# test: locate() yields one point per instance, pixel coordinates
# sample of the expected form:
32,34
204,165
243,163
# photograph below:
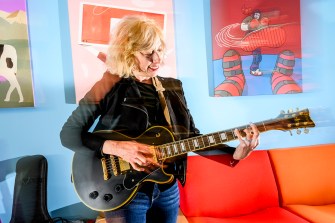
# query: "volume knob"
108,197
118,188
94,194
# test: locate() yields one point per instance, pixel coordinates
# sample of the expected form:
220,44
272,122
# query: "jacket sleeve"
75,133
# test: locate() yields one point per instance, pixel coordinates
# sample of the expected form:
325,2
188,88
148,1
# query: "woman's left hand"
247,143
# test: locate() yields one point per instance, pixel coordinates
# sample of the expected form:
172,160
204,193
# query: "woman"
130,98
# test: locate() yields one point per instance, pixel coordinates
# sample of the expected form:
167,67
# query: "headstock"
291,120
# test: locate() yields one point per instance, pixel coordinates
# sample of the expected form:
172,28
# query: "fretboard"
201,142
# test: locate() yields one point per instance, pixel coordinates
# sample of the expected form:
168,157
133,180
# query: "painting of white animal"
8,70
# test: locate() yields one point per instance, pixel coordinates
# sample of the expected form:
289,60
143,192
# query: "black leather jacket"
115,102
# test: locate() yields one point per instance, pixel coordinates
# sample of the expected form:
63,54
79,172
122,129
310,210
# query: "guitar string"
172,149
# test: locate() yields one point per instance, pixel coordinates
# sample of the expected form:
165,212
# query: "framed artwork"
16,85
255,48
91,23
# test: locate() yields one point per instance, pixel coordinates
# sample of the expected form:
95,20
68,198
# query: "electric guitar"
110,183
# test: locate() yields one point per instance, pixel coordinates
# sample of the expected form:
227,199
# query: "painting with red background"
227,13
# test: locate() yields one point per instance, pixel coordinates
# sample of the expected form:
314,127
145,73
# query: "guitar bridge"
124,166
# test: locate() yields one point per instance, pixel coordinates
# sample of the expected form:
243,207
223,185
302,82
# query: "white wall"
27,131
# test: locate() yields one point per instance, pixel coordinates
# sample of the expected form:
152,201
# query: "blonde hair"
132,34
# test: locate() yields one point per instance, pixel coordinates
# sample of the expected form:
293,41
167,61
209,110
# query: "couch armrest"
305,175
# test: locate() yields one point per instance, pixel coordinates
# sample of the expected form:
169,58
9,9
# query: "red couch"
248,192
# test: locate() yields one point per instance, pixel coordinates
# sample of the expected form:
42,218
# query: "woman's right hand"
140,156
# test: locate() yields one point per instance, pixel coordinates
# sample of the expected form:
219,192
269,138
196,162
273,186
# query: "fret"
202,142
217,138
223,136
205,141
175,149
168,150
179,146
195,143
231,135
163,152
158,153
211,139
189,146
264,127
182,145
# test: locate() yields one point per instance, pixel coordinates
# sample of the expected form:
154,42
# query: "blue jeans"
158,206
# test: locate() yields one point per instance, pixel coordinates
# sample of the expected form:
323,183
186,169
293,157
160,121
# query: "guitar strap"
159,88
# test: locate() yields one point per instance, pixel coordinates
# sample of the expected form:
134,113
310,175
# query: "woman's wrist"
109,147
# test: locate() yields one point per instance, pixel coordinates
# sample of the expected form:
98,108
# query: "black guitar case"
29,201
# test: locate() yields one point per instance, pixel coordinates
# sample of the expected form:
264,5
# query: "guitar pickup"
105,163
113,165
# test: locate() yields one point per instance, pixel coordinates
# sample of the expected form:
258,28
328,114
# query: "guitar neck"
198,143
284,122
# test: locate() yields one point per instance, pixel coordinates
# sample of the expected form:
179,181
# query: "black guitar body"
106,195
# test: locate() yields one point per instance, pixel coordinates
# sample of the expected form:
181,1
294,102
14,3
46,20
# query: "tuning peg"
290,132
290,110
282,112
298,131
306,131
297,109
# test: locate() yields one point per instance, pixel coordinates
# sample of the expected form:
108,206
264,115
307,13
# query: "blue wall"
28,131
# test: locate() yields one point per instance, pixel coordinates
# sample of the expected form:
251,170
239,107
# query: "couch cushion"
268,215
213,189
305,175
324,213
